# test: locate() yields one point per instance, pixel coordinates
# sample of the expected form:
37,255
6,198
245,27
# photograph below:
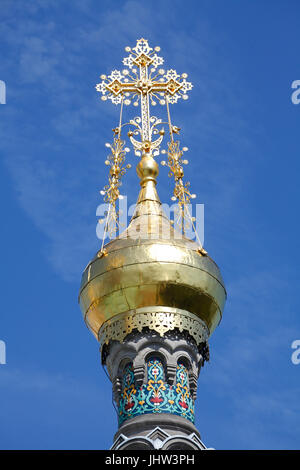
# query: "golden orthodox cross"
145,84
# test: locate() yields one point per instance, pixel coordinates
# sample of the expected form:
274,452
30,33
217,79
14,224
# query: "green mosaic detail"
156,396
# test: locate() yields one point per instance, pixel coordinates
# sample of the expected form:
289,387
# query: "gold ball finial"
147,169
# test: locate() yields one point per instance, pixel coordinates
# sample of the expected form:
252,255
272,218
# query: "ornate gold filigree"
181,191
111,192
142,82
121,325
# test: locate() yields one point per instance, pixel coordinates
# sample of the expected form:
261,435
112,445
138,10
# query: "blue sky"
242,131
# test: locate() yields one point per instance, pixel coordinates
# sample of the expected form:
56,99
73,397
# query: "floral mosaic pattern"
156,396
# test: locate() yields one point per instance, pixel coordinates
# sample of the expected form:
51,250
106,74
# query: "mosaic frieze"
156,395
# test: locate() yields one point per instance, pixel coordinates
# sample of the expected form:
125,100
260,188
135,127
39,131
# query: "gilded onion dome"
151,276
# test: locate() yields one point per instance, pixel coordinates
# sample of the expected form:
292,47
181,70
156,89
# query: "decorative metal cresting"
144,83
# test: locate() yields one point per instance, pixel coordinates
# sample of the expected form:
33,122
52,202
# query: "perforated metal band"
160,319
